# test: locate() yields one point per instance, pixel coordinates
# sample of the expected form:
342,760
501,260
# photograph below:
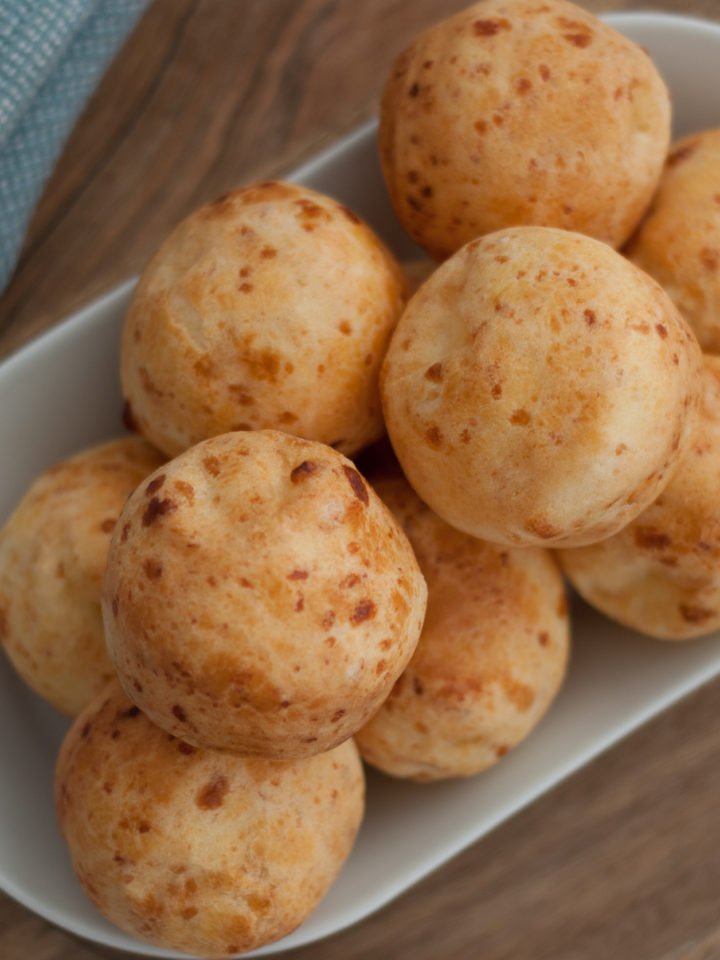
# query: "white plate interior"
61,393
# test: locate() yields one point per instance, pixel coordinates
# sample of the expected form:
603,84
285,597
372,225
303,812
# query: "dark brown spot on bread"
434,373
350,581
579,39
652,539
520,418
304,470
488,28
185,748
246,287
501,751
125,532
212,465
357,483
288,417
157,508
543,638
143,827
153,569
695,614
661,330
309,210
544,71
365,610
211,796
85,730
523,85
300,604
188,913
345,327
267,253
107,526
590,317
414,90
434,437
155,485
298,575
328,619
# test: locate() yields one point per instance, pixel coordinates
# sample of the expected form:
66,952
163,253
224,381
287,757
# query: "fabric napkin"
52,54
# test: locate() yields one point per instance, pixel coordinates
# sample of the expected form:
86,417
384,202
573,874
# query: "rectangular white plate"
61,393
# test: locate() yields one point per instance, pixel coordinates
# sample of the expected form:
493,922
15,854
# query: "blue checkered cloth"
52,54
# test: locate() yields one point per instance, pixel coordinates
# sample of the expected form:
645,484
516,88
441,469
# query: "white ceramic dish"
61,393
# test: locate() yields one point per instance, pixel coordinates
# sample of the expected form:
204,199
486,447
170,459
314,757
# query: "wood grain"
621,861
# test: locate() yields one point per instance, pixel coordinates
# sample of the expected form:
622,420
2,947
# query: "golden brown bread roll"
661,574
516,112
197,850
259,597
52,558
539,389
490,659
271,307
679,242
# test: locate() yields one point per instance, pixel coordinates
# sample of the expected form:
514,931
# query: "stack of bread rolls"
234,610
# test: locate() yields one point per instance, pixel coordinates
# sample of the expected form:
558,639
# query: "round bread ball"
53,550
540,389
514,112
490,659
270,308
259,597
661,574
197,850
679,242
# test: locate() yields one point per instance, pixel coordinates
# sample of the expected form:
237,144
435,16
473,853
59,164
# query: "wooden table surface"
621,861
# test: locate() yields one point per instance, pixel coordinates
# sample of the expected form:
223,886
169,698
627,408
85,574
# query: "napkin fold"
52,54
